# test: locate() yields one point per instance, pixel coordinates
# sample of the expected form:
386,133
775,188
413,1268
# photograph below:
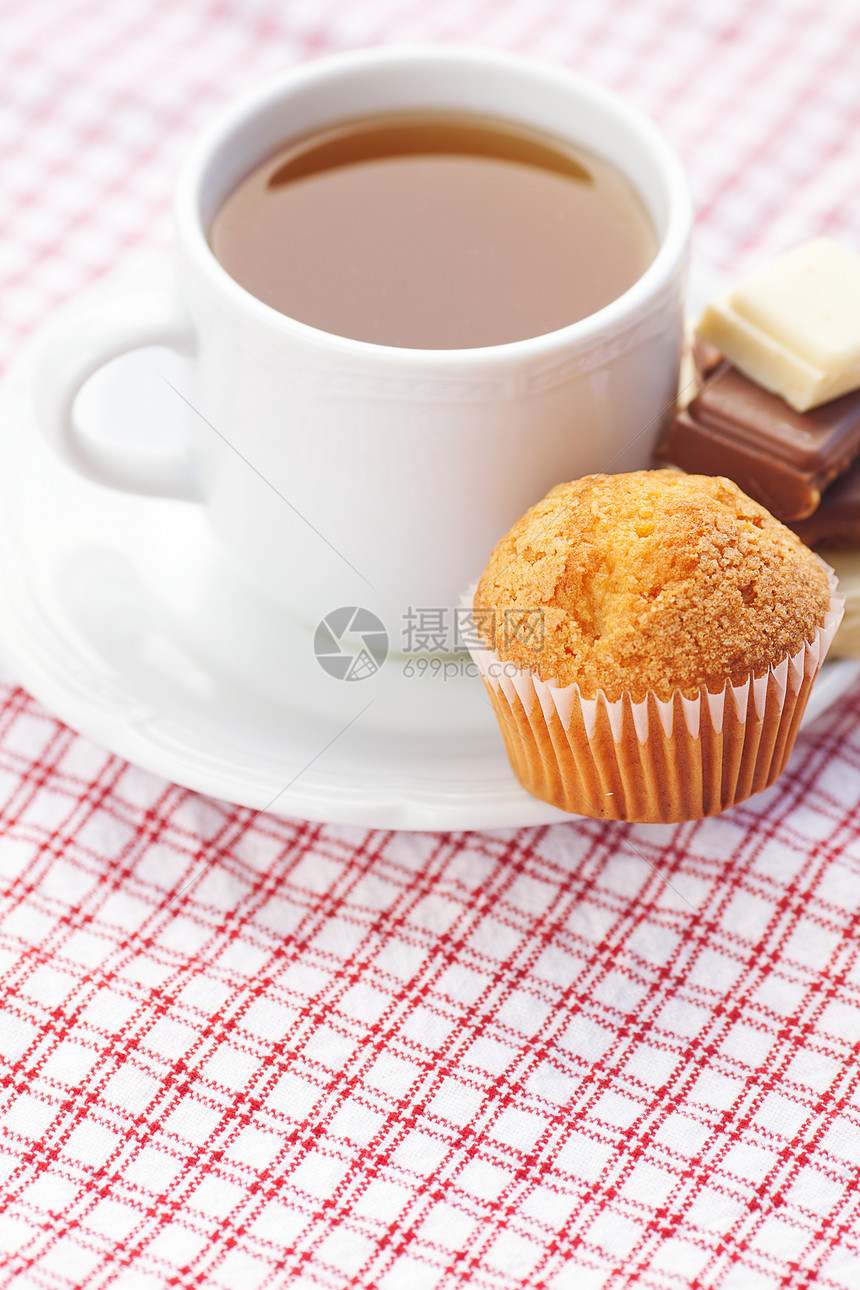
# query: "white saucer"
121,615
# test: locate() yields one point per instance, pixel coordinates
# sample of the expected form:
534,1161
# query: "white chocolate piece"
688,377
794,326
846,564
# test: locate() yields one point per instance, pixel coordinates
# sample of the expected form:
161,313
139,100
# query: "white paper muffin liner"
655,759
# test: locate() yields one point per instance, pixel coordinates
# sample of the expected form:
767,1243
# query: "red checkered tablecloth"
240,1052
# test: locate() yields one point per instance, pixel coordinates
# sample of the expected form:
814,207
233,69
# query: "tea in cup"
415,287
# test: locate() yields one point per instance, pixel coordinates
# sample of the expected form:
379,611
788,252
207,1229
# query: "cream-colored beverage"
379,471
434,231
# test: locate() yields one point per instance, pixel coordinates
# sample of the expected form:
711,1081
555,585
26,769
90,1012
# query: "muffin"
651,642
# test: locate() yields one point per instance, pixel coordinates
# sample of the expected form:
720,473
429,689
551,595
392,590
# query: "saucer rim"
491,804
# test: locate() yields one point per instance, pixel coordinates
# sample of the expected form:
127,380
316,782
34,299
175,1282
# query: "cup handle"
74,347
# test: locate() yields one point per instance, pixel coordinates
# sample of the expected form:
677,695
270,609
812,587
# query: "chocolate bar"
781,458
835,523
698,361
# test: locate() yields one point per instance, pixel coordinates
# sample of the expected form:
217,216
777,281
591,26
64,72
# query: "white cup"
336,471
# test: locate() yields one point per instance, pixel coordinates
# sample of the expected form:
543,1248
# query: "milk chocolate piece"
781,458
836,522
706,357
698,361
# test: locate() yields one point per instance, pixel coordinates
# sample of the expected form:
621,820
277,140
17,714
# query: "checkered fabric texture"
239,1052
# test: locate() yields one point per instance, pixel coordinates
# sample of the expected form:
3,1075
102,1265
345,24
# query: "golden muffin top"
653,580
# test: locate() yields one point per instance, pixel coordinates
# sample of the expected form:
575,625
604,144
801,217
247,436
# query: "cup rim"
583,333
